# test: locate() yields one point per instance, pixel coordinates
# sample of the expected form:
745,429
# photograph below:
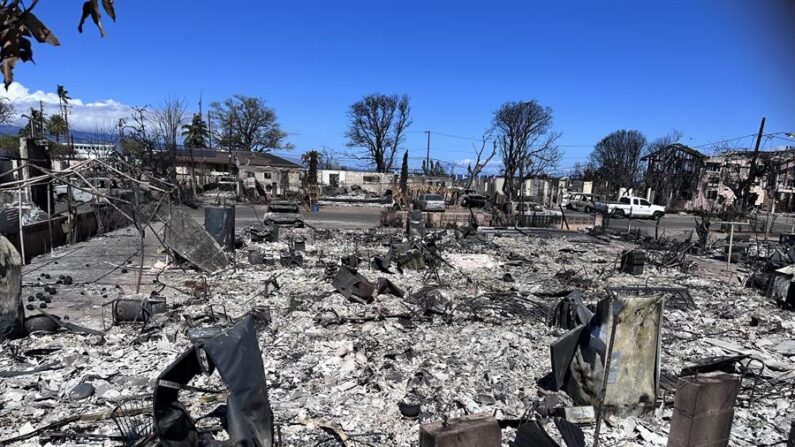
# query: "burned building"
673,175
277,175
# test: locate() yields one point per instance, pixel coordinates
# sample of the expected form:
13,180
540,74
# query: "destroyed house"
276,174
772,186
373,182
673,175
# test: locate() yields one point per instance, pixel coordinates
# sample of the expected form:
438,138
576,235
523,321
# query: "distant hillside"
79,135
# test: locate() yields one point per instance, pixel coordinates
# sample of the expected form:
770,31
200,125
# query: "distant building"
679,177
547,191
93,150
374,182
276,174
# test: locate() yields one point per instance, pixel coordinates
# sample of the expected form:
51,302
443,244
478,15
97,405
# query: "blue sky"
709,68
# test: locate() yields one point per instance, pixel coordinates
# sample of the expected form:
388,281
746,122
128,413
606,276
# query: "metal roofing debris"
191,241
387,286
353,285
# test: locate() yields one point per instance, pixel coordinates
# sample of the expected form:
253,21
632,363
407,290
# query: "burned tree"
527,145
377,124
6,110
404,174
481,159
245,123
617,159
168,119
19,23
311,160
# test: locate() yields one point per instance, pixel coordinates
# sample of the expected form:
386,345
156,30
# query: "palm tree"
56,126
194,135
63,101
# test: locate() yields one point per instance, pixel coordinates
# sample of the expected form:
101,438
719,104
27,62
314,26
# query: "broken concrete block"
703,410
12,312
474,430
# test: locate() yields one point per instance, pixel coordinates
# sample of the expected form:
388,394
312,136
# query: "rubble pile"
372,335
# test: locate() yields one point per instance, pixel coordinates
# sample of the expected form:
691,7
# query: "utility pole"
41,119
752,170
428,150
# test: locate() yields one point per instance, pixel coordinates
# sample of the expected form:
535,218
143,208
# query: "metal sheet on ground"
191,241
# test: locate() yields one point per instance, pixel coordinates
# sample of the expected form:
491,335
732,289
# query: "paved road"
329,216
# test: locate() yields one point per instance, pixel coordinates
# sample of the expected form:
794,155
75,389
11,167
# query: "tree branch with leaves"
19,23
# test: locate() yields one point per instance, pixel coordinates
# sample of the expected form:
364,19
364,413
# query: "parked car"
471,199
627,206
429,202
582,202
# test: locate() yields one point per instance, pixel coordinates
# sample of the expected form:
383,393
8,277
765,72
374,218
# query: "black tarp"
236,355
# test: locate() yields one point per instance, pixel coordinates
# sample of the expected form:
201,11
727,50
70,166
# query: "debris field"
367,336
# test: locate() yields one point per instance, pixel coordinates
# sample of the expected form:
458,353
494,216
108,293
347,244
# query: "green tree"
195,135
245,123
63,102
56,126
616,159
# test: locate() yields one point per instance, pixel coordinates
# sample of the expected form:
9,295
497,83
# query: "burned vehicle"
283,212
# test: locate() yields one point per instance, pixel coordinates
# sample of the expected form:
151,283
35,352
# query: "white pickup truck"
636,207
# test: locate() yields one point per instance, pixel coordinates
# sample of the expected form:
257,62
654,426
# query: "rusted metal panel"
703,410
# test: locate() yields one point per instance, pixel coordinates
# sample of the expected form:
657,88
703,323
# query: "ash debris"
374,338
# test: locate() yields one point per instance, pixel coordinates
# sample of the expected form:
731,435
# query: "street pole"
428,150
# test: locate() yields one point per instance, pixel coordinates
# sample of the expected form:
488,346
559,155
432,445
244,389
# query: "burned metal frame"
684,299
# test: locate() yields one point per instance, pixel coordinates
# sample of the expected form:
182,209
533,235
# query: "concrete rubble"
355,355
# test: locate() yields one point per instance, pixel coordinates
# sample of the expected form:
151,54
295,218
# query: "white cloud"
86,116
